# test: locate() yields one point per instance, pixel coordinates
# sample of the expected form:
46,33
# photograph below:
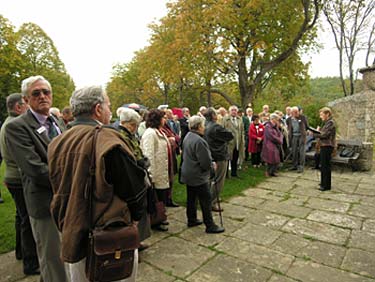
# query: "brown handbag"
111,246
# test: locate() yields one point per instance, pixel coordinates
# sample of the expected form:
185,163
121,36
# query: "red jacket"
255,147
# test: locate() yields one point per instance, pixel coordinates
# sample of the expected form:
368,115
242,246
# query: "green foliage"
26,52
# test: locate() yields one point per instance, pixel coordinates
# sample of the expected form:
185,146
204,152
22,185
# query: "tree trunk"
180,93
166,92
246,91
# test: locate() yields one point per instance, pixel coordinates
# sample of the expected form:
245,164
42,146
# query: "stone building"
355,117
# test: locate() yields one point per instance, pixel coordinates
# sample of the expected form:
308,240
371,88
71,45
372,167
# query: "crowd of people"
48,154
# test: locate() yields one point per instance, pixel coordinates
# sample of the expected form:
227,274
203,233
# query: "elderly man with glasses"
27,139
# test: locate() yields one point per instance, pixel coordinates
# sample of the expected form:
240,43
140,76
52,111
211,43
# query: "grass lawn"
248,177
7,216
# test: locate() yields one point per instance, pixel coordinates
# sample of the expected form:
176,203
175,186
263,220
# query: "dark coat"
27,142
217,138
273,140
254,146
197,164
327,134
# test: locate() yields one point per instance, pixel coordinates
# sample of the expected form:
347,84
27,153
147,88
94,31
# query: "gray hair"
129,115
274,116
196,121
233,107
83,100
27,82
55,111
12,101
185,109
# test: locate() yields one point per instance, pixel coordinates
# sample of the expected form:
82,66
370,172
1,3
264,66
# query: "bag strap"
89,193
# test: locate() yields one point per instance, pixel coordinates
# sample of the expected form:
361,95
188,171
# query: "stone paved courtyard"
283,230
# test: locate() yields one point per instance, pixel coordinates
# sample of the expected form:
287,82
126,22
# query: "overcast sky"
93,35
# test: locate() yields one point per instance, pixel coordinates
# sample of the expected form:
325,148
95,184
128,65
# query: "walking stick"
218,203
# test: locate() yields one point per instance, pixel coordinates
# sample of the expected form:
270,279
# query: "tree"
244,39
352,24
11,64
42,58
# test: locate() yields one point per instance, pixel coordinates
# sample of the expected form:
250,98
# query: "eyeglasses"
36,92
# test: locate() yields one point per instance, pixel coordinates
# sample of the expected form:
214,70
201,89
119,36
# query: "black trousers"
325,166
234,162
247,154
255,158
29,253
203,194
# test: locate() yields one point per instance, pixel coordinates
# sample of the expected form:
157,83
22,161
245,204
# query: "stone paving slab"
290,244
369,225
363,210
307,271
223,268
280,278
305,191
284,208
246,202
257,234
359,261
275,186
327,254
179,261
318,231
341,220
327,205
268,219
341,197
362,240
151,274
368,200
256,254
261,193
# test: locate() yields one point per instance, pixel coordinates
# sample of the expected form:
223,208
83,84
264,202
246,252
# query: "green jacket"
12,174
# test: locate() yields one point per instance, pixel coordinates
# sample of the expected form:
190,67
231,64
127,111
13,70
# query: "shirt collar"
41,118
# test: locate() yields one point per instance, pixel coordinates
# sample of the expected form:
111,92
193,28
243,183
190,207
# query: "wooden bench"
342,144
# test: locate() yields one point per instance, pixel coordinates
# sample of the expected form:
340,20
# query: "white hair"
196,121
27,82
129,115
233,107
119,110
55,111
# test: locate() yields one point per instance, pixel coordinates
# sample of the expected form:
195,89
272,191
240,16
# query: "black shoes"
172,205
215,229
324,189
32,271
194,223
160,227
217,209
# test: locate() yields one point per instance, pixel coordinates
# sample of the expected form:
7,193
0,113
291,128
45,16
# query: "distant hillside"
329,88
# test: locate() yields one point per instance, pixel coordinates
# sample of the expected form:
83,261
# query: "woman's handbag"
156,208
111,246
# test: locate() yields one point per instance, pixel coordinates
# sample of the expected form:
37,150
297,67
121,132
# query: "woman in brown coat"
327,138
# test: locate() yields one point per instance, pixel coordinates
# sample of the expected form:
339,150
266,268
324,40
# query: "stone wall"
355,116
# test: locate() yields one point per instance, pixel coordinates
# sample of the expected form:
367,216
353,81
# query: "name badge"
41,129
